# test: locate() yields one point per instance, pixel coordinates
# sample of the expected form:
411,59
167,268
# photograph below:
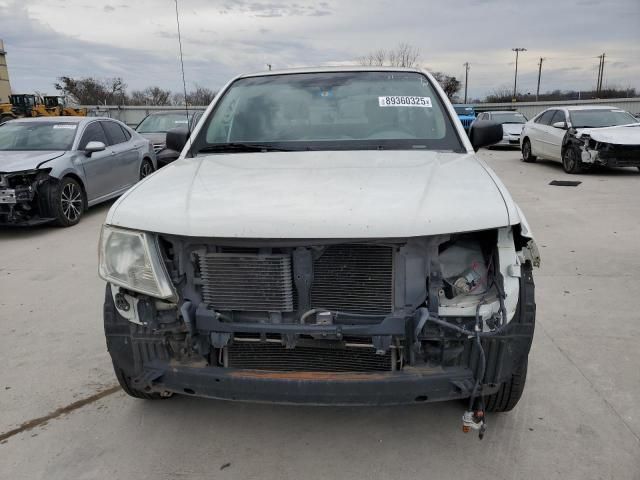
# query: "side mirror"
484,133
177,138
560,125
93,147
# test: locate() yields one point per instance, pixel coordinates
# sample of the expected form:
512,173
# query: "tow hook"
474,420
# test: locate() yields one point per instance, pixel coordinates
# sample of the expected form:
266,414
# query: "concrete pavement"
577,418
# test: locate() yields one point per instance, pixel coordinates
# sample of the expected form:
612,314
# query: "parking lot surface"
578,417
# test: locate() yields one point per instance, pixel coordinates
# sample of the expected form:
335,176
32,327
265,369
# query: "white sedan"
583,136
512,125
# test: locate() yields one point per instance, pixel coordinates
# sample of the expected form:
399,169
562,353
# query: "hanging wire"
184,82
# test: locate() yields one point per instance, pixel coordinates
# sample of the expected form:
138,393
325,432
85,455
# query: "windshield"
509,117
327,111
464,110
600,118
162,123
37,135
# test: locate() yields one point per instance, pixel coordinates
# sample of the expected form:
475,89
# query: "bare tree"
200,96
404,55
150,96
449,84
93,91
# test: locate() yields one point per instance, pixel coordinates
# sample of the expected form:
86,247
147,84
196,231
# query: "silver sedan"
53,169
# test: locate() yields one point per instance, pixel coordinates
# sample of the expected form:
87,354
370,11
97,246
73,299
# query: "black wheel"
509,393
68,202
571,162
146,169
526,152
125,383
121,350
511,388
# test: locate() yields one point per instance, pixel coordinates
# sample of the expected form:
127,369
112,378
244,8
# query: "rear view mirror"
93,147
561,125
177,138
484,133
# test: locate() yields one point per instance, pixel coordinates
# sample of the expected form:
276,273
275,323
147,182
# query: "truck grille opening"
354,278
275,357
248,282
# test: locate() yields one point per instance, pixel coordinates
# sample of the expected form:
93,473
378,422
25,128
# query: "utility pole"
466,79
599,71
539,74
600,74
515,81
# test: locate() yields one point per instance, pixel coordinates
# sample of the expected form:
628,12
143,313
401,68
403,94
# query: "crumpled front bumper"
412,385
146,358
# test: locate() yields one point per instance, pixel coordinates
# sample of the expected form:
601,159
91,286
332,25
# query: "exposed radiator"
275,357
354,278
248,282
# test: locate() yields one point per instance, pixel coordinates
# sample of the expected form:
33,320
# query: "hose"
186,315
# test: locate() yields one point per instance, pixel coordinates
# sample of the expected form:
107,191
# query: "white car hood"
618,135
339,194
512,128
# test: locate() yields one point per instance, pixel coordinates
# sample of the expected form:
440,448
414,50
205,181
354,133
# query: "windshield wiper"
244,147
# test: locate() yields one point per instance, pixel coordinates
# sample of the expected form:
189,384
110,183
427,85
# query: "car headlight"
132,260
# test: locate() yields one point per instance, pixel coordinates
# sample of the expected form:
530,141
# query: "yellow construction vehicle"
27,105
59,104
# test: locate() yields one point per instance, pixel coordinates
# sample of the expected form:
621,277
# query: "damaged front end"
386,321
24,197
595,151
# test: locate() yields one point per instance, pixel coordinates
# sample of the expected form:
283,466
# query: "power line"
184,82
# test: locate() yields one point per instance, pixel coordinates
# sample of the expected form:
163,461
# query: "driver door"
98,166
555,136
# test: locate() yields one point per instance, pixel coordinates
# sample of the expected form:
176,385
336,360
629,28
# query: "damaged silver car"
328,236
53,168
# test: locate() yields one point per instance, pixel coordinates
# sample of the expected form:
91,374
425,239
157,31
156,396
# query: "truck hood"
15,161
328,194
618,135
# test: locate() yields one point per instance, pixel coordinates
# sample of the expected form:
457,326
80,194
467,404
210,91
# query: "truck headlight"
132,260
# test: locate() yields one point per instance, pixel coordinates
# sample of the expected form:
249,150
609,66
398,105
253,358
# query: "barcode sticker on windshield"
404,101
70,126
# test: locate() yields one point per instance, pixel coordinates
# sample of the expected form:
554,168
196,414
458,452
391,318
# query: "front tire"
509,393
68,202
511,389
125,383
146,168
571,162
527,156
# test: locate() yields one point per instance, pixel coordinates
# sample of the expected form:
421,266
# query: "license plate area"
8,196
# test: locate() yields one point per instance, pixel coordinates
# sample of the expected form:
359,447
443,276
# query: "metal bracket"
381,343
435,280
289,340
303,276
220,339
148,375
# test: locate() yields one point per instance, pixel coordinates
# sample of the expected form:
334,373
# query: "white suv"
328,236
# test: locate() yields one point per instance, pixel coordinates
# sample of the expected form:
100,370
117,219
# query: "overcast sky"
138,40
